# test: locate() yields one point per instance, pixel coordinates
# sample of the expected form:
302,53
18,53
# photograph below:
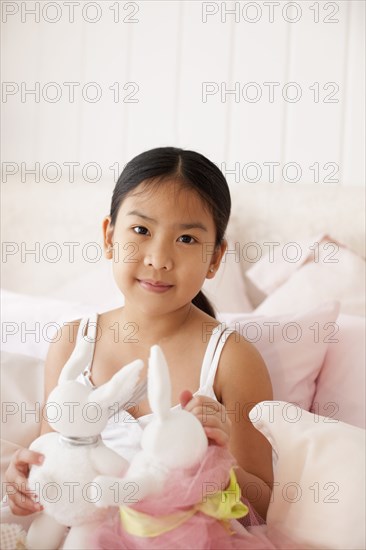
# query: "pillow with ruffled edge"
319,470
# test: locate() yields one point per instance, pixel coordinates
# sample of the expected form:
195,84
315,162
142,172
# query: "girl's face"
163,246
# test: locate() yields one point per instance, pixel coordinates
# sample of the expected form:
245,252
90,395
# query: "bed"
292,282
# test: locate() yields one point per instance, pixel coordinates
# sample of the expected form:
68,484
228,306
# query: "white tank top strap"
88,331
212,355
88,328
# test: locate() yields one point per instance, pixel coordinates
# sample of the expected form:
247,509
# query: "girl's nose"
159,258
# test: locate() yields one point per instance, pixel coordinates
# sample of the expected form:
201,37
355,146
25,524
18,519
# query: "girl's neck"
157,329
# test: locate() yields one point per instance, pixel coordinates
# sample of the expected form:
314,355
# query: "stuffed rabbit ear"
79,360
120,388
159,389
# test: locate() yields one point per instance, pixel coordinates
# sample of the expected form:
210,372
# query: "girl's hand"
21,500
211,414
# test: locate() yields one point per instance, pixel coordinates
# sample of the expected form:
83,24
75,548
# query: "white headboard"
287,212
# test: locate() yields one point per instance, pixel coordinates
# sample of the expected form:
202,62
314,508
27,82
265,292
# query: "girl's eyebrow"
136,213
192,225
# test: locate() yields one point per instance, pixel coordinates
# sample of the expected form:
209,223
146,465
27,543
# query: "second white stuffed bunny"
173,439
185,493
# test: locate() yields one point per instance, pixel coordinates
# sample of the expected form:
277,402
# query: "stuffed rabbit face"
73,411
177,441
76,410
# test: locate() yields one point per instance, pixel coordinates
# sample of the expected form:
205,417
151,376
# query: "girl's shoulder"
242,372
64,341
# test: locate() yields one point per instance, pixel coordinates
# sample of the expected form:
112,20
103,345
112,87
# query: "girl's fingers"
185,397
24,509
212,421
199,401
25,457
16,481
21,483
217,436
21,500
212,415
22,503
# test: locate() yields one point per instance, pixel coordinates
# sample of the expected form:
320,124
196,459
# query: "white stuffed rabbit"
76,454
174,438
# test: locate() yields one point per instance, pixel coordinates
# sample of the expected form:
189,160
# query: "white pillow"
7,450
329,271
319,469
21,397
29,322
22,386
293,347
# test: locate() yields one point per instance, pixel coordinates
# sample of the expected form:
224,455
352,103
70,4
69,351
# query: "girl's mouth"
154,286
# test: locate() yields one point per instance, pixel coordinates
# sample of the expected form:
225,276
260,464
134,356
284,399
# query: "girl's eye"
140,230
187,239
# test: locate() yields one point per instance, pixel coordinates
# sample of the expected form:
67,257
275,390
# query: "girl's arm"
241,382
22,501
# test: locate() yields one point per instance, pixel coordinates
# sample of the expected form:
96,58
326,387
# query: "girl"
165,235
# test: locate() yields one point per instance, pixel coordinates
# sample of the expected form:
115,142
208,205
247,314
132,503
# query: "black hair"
193,171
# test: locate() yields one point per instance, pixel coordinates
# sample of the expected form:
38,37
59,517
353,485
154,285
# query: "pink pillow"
293,347
324,270
282,260
340,392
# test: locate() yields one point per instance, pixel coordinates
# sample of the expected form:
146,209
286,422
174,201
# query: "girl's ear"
216,259
108,237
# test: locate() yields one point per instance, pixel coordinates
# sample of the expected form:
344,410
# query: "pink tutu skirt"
199,531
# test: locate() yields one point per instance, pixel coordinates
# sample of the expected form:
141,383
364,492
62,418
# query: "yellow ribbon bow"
222,505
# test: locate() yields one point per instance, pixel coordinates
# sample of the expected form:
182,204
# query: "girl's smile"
154,286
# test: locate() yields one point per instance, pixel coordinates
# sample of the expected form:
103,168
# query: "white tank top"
123,431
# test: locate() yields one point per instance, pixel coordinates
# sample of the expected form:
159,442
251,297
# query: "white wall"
163,54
